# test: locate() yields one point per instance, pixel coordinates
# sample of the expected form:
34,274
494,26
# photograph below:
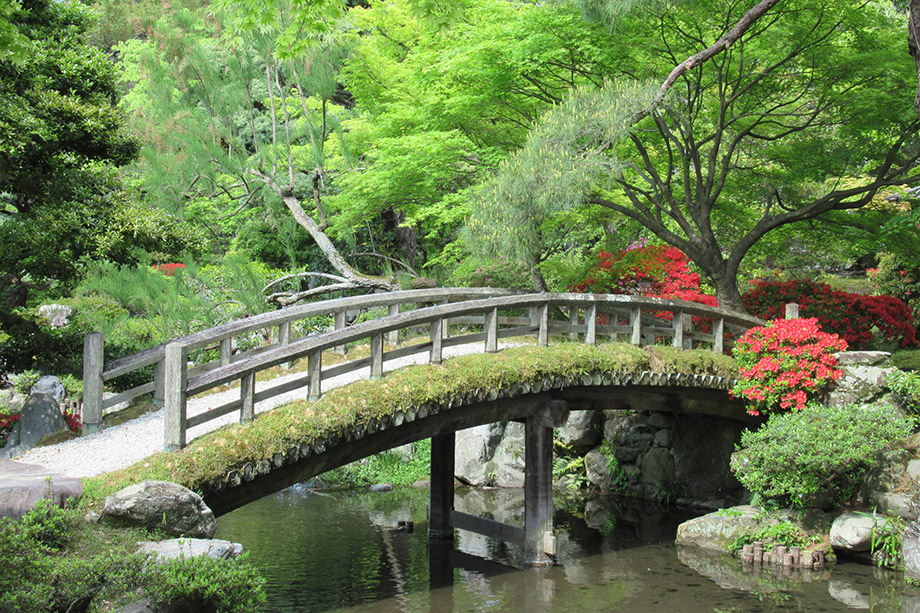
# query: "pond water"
346,551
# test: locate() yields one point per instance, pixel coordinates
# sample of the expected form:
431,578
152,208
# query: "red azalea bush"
785,364
851,316
657,271
7,421
646,270
168,269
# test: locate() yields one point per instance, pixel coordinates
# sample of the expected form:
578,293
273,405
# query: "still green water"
346,551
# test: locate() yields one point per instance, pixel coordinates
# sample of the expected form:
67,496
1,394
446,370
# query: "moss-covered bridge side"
240,463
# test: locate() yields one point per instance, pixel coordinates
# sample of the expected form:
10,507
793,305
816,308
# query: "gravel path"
123,445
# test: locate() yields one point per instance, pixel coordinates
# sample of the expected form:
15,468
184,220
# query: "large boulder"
161,505
39,417
853,532
22,485
717,531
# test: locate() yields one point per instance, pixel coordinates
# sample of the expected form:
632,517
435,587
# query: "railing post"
248,397
792,310
159,383
340,324
393,336
718,334
445,325
315,372
591,324
678,324
377,356
635,323
573,320
491,329
176,378
543,319
93,363
436,335
284,338
226,351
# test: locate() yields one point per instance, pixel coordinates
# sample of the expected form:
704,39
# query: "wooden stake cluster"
780,555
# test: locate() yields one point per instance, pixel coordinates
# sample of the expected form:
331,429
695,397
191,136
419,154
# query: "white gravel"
123,445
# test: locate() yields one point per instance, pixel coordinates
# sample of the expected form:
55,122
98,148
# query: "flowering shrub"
852,316
168,269
647,270
785,363
7,421
898,279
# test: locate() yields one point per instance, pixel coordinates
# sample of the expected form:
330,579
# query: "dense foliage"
50,560
858,319
801,456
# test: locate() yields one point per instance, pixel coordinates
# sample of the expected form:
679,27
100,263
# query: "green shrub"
48,524
796,456
906,385
205,584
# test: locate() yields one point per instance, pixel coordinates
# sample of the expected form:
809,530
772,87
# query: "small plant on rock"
785,364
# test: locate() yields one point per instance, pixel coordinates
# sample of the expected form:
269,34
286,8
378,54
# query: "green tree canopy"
806,112
62,202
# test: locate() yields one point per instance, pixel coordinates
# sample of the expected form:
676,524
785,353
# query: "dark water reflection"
348,551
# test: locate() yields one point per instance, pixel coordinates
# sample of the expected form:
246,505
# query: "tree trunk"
913,43
727,292
322,240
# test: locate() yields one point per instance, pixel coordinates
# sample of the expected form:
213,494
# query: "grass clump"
215,454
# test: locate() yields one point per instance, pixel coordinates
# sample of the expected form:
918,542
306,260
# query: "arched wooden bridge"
485,316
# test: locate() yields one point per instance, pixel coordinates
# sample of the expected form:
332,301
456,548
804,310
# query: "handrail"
96,372
180,385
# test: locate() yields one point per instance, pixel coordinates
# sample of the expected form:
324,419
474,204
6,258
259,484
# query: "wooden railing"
278,324
635,319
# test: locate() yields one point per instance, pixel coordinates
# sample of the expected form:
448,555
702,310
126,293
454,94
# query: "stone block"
853,531
662,420
664,438
582,430
39,417
868,358
658,467
172,549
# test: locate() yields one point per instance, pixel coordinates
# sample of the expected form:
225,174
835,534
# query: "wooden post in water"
538,492
93,362
441,492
